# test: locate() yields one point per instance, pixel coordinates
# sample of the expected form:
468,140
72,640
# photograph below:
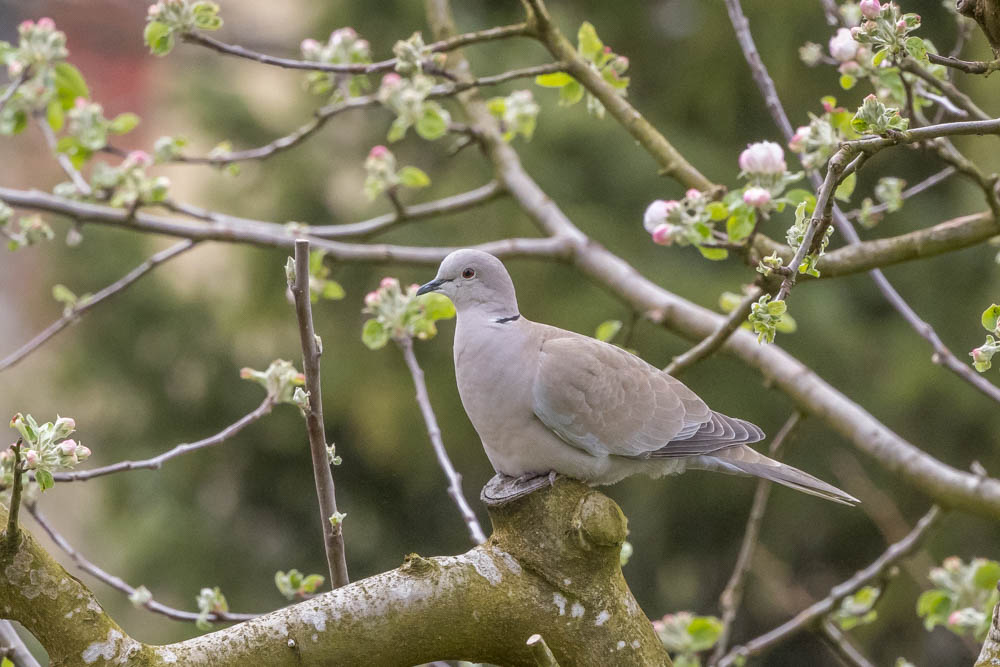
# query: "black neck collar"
505,320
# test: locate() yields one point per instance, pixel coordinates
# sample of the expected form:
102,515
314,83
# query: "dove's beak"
432,286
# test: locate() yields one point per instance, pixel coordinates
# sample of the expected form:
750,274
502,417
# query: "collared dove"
546,400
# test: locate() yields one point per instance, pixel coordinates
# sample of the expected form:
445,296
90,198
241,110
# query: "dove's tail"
747,461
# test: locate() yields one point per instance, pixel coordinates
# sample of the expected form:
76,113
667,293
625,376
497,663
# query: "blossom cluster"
381,174
963,597
517,114
407,98
982,356
44,449
399,313
343,47
168,18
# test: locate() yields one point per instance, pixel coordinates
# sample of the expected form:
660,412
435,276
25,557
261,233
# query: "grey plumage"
544,399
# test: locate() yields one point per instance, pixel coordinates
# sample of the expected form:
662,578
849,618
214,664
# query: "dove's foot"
503,489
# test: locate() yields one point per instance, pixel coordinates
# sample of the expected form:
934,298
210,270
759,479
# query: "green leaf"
397,130
798,195
588,43
786,324
554,80
432,124
704,632
846,187
987,575
44,479
159,38
437,306
879,57
7,663
917,49
717,211
332,290
55,115
412,177
740,224
374,335
714,254
123,122
776,308
847,81
934,606
608,330
570,94
69,84
991,317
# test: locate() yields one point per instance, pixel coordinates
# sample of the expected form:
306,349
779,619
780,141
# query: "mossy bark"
990,655
551,567
987,14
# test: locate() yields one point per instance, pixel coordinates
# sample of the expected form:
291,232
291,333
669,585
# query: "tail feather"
747,461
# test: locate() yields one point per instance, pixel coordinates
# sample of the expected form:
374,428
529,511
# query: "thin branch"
911,191
157,461
82,307
831,11
541,652
925,133
947,88
446,205
67,165
119,584
842,645
454,478
14,646
812,615
490,34
732,595
671,161
12,535
13,86
967,66
718,337
323,114
333,535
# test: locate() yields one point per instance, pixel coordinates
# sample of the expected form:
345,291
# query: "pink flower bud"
26,26
153,10
388,283
80,102
347,32
15,67
246,373
764,157
757,197
31,459
300,378
952,563
842,45
978,354
82,453
900,27
693,193
955,618
371,298
607,49
45,23
140,158
414,287
870,97
870,8
67,447
309,45
378,152
797,144
657,213
856,31
391,80
662,235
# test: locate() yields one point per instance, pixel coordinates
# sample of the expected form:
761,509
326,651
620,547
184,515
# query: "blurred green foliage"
161,365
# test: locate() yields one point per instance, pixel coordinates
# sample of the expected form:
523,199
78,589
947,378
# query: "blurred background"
160,365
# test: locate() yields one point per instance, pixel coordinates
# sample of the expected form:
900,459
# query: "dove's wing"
604,400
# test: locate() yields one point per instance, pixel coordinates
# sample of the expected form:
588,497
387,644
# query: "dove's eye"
468,273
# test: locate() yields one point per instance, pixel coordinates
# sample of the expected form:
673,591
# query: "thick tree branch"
333,536
990,655
553,561
967,66
81,308
11,644
671,161
814,614
434,431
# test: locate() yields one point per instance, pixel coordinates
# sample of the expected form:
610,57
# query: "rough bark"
990,655
551,567
987,14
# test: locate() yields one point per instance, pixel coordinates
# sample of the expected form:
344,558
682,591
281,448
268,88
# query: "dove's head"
475,279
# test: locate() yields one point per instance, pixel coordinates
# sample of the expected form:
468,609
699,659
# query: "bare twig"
490,34
732,595
81,308
119,584
156,462
842,645
453,204
812,615
947,88
454,478
967,66
12,536
541,652
911,191
718,337
13,86
15,648
332,528
67,165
